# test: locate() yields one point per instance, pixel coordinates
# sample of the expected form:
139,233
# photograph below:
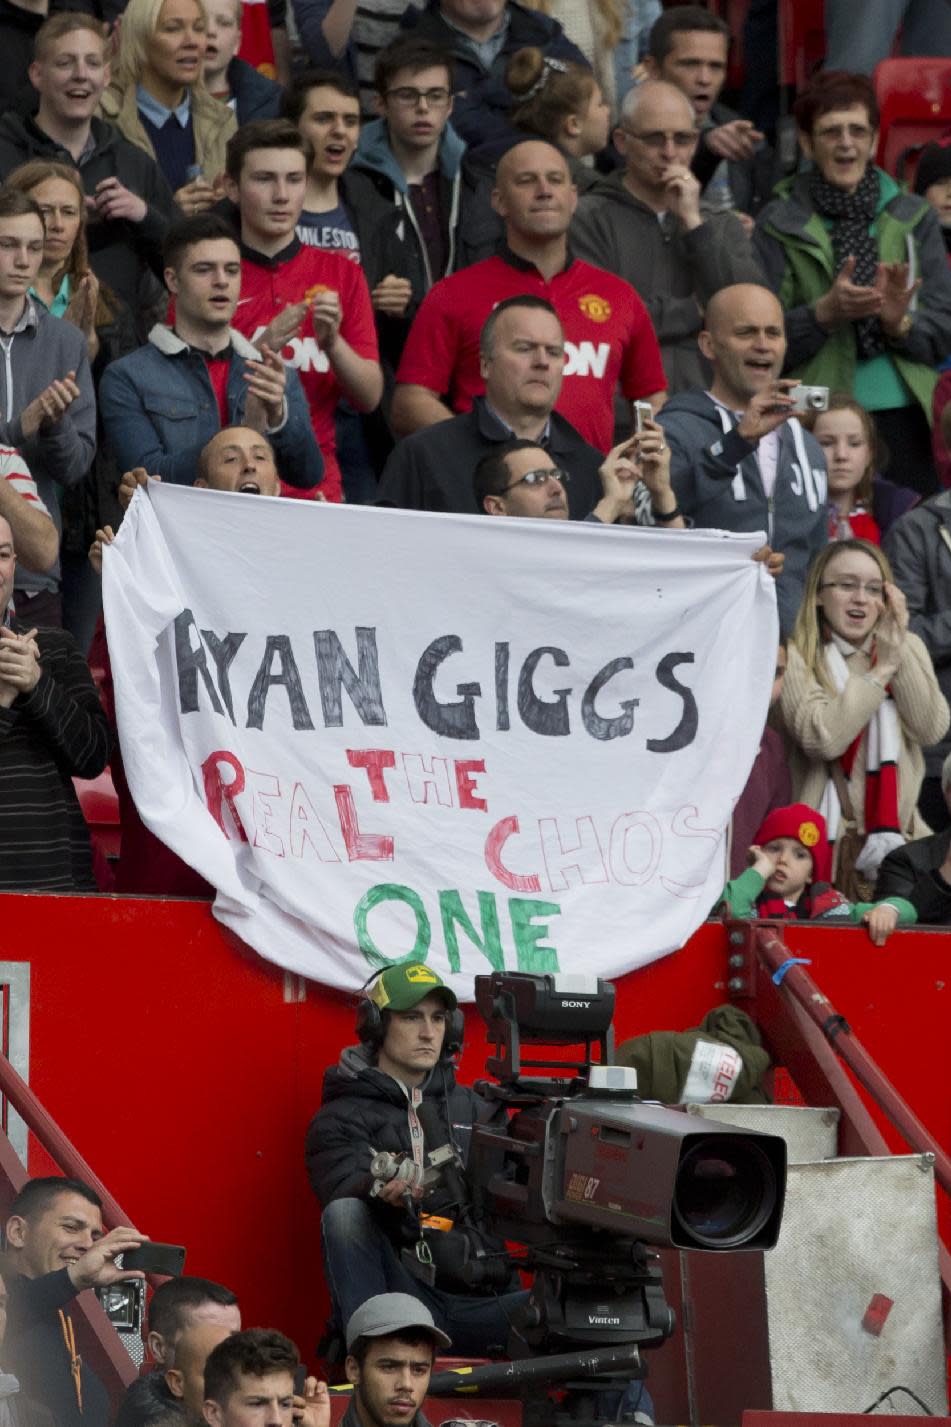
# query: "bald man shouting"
610,342
739,459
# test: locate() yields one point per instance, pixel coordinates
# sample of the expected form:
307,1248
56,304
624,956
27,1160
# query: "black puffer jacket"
364,1107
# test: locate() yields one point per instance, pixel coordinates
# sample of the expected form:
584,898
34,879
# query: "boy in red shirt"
311,304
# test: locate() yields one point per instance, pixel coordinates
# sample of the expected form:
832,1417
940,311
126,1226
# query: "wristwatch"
904,327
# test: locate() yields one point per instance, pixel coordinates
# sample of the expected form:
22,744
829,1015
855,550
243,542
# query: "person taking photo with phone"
55,1246
739,458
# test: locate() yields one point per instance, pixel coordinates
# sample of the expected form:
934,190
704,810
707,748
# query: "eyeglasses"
656,139
410,98
835,132
873,588
540,477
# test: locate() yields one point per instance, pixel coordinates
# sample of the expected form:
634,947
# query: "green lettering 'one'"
391,892
531,954
489,942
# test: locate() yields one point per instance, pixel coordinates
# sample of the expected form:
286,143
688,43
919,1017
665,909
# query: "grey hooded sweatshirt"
675,272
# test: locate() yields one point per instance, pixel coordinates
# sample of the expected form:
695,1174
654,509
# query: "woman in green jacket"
861,270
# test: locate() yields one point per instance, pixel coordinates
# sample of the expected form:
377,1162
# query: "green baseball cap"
400,988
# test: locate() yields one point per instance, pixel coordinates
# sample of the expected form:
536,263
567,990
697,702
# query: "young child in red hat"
789,879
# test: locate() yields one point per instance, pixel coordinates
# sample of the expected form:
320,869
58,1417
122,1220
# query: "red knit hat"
808,827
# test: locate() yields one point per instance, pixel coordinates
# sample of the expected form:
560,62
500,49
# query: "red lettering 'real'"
218,793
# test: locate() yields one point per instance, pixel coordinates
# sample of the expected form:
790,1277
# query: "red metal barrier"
807,1032
186,1069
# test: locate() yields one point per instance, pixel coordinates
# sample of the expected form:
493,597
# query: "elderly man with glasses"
644,223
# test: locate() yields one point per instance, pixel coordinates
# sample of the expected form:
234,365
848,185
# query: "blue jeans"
858,38
360,1262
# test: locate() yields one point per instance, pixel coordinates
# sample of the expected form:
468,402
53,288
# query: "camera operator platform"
391,1111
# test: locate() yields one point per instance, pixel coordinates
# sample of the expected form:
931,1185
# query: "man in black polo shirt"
522,358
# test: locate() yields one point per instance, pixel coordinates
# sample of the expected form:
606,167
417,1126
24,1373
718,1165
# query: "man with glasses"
482,36
645,224
415,161
520,479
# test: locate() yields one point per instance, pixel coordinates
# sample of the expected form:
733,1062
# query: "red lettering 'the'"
374,760
466,768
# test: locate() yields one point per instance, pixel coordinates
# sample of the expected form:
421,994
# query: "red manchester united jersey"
295,275
609,338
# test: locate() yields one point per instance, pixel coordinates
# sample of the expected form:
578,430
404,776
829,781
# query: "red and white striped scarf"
882,745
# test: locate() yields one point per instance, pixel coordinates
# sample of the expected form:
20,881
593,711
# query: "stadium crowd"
481,257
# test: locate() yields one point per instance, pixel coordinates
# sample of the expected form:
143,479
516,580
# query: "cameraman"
409,1027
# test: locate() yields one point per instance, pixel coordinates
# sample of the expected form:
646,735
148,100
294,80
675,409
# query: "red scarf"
818,900
881,783
859,524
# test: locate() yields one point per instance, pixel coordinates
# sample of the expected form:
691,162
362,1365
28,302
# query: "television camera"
588,1179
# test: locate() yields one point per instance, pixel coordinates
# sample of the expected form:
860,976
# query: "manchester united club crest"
597,308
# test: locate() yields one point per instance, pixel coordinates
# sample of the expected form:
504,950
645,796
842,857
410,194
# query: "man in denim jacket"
163,403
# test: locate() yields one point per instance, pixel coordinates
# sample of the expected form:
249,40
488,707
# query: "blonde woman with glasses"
859,703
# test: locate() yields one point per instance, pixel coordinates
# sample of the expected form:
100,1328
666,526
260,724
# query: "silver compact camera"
810,398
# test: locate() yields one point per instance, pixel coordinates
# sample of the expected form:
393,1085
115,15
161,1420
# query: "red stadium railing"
815,1043
99,1343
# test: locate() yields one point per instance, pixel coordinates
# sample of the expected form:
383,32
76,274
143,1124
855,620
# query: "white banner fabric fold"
484,743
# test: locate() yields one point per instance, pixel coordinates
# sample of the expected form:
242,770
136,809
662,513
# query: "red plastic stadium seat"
914,96
97,798
734,13
802,40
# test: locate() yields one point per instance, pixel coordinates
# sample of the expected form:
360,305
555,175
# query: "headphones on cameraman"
371,1027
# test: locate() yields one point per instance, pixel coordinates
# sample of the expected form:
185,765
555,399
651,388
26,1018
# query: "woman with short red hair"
860,268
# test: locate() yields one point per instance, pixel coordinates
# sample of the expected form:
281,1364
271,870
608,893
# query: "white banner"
476,741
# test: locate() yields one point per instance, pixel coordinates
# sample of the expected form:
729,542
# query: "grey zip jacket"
40,350
716,478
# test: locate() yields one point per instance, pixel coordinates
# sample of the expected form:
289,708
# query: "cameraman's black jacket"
364,1107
